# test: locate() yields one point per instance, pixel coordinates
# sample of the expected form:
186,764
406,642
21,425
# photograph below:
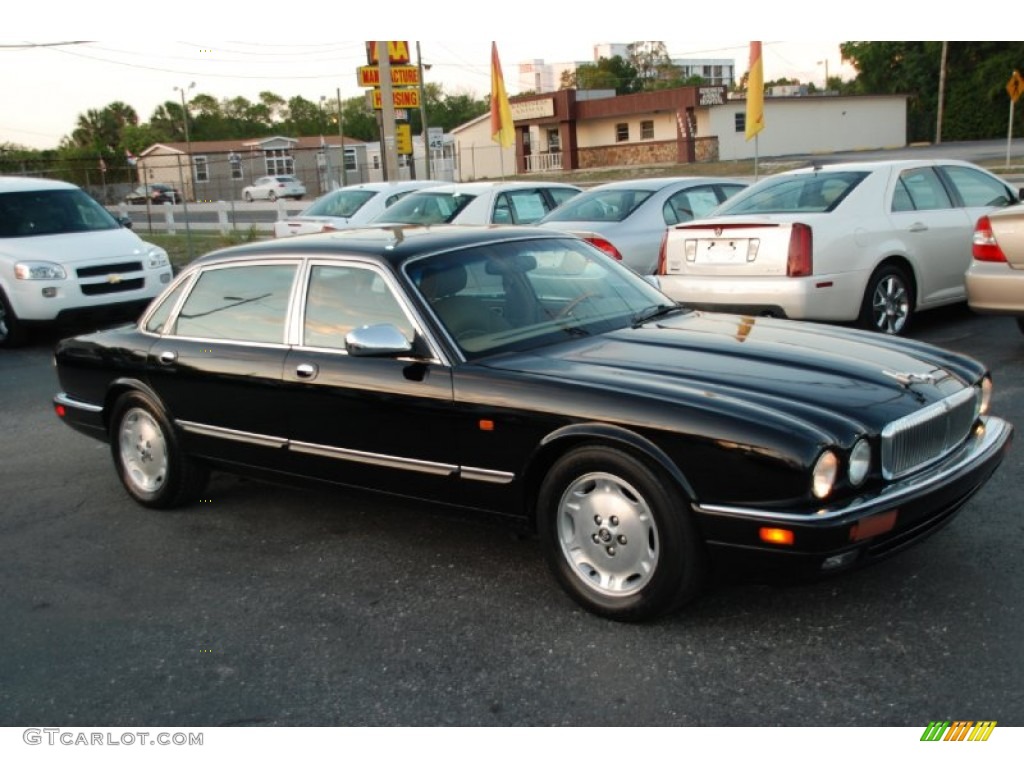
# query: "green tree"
976,102
606,73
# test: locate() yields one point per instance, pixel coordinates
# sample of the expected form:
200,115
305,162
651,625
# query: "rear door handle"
168,356
918,227
306,371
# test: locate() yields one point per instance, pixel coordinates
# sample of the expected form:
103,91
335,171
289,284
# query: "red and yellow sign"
401,98
369,77
398,52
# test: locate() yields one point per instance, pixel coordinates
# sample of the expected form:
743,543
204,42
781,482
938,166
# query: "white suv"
63,254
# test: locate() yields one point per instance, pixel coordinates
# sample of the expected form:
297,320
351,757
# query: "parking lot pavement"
270,605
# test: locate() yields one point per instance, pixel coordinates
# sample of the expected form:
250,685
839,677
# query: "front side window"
522,206
343,203
690,204
243,303
425,208
977,189
342,298
601,205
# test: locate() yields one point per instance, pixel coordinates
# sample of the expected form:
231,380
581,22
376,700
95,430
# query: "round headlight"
860,462
824,476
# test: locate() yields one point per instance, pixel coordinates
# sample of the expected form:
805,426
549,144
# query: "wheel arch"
565,439
122,386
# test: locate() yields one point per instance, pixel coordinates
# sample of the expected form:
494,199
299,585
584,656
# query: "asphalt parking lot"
268,605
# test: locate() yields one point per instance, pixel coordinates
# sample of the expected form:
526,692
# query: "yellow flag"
501,114
755,92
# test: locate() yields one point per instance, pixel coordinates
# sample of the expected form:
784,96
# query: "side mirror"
125,221
384,340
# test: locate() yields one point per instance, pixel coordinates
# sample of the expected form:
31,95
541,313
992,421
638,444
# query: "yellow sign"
398,52
403,139
1016,86
401,98
369,77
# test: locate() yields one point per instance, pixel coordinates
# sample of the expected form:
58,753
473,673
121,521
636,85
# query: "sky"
46,83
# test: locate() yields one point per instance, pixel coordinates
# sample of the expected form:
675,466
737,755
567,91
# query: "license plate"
721,251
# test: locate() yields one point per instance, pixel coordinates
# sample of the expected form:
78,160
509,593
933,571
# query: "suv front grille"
108,269
927,435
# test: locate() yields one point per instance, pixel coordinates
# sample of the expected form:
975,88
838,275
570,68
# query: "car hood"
76,247
803,375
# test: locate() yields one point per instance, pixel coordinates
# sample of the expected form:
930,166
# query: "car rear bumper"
83,417
832,297
865,528
994,287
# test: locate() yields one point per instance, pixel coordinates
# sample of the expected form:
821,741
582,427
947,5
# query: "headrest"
438,282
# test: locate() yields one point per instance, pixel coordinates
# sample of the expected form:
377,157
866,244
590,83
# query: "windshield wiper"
654,312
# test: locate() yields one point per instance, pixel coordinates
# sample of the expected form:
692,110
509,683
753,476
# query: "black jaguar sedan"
523,372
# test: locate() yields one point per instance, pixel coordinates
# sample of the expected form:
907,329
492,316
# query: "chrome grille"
927,435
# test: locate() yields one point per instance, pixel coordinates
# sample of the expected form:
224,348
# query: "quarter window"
247,303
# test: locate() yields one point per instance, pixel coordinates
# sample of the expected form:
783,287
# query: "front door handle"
306,371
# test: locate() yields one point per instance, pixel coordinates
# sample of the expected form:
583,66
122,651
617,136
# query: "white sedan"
869,242
480,202
348,207
272,187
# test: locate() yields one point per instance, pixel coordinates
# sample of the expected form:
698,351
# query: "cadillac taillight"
800,261
604,245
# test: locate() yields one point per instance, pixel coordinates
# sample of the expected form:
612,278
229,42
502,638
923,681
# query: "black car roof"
393,244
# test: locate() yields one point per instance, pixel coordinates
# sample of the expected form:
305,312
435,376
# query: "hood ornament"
909,379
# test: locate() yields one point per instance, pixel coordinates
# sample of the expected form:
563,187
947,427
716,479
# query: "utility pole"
388,145
942,93
423,113
341,137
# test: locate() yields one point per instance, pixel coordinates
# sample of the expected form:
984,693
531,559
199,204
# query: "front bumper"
842,535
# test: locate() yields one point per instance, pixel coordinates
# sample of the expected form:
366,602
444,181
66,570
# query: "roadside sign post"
1015,88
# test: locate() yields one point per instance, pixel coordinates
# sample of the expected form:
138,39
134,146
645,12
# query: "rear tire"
12,330
618,536
148,458
248,197
888,301
272,197
1020,324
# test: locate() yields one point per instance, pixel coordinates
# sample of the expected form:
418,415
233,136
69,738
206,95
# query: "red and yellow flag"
755,92
502,130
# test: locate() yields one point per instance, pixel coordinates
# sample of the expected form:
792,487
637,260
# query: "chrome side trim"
376,459
69,402
267,441
977,451
487,475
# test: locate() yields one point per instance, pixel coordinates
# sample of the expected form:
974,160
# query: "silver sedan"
627,219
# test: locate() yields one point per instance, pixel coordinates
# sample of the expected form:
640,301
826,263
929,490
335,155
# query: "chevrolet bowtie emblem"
906,379
113,278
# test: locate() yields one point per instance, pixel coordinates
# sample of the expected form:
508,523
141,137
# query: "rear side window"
244,303
800,193
923,188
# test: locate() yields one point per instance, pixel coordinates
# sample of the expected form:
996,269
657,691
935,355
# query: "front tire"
1020,324
618,536
888,302
248,197
12,330
148,458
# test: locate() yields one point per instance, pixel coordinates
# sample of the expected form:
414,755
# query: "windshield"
342,204
799,193
601,205
51,212
524,294
425,208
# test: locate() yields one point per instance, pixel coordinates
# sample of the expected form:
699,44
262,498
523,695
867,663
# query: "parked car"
522,371
627,219
349,206
871,242
480,202
63,255
153,193
272,187
995,277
